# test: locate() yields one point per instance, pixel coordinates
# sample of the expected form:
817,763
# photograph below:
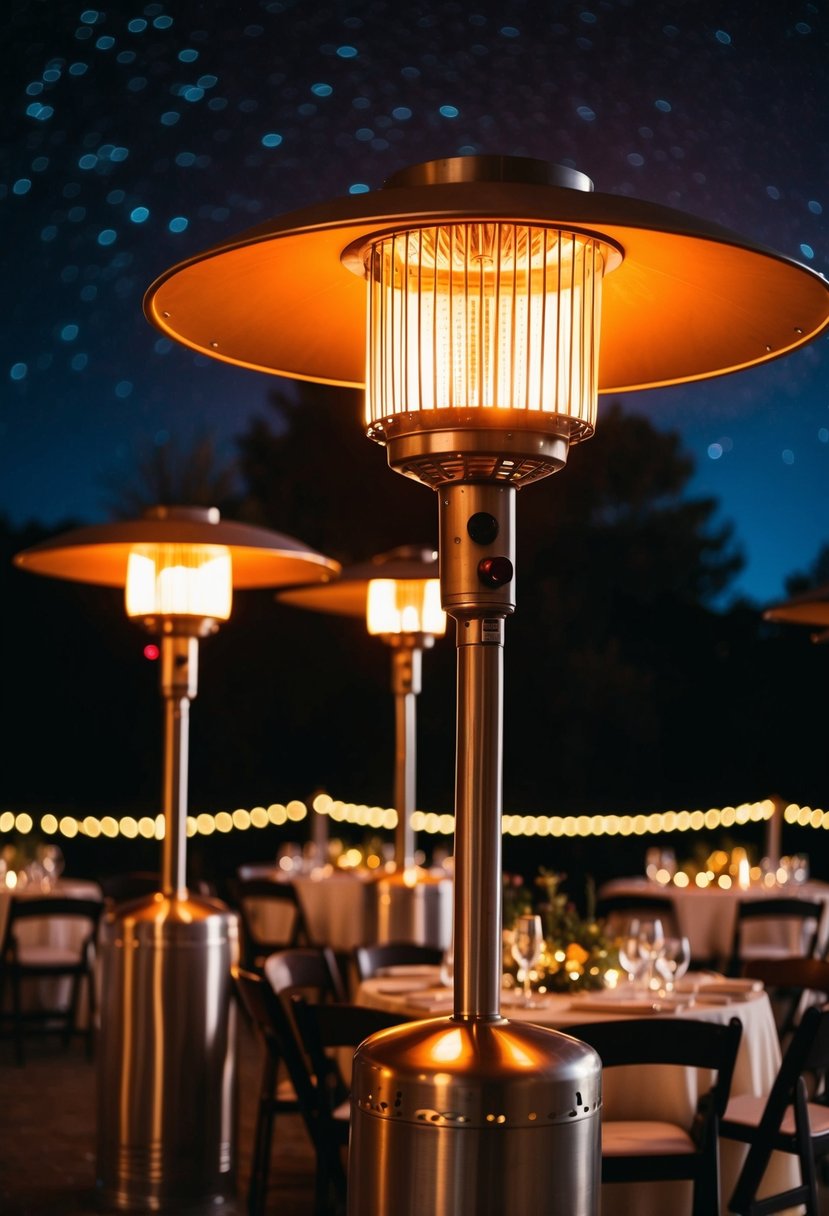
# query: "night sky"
138,134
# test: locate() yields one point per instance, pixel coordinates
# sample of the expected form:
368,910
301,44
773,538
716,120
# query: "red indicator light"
151,651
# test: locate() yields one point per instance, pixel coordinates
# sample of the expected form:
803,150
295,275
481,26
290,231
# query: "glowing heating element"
481,316
405,606
179,580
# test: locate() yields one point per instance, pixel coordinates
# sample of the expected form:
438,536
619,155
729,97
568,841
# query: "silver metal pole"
477,575
179,684
407,661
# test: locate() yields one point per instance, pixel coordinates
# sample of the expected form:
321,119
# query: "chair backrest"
310,970
370,959
807,1055
788,982
617,910
271,915
804,916
47,907
689,1150
685,1042
325,1028
132,884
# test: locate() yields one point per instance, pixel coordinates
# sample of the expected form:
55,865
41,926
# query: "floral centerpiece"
577,955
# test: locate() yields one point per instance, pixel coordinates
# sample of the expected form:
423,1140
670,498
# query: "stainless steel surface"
691,299
486,1118
167,1043
413,911
487,168
479,612
179,684
406,682
100,553
533,446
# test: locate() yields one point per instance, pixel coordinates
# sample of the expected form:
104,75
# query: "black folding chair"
322,1030
24,961
802,915
786,1121
652,1151
370,959
308,984
617,910
790,983
277,1094
271,918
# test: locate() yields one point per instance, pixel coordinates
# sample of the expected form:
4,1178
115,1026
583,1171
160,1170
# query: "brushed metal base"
167,1048
474,1118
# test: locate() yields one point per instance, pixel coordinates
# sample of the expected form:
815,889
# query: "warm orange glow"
448,1047
405,606
481,315
179,580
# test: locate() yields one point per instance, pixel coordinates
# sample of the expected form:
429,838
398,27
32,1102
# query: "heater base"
474,1118
167,1048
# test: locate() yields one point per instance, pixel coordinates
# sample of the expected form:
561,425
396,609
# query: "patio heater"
472,315
808,608
397,594
166,1078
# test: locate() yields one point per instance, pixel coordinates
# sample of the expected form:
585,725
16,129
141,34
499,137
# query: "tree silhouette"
175,474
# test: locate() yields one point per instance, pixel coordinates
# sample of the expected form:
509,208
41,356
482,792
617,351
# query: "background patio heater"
808,608
397,594
166,1076
477,291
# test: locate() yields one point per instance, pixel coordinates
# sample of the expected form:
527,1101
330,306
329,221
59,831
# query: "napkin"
729,987
641,1007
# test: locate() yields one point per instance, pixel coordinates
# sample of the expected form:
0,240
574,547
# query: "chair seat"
48,955
644,1137
746,1111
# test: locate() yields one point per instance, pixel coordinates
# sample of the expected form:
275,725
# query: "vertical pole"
477,530
406,684
179,682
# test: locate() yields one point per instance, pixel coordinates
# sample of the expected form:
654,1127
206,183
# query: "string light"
385,819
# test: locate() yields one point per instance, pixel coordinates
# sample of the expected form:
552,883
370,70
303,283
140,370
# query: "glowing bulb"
480,315
405,606
179,580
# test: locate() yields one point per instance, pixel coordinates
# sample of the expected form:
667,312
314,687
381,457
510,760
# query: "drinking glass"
651,943
630,952
673,961
526,947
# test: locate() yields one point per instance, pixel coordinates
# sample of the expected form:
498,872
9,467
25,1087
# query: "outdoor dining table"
668,1094
340,906
706,915
337,904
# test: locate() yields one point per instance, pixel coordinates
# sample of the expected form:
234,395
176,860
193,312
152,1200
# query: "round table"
706,915
672,1097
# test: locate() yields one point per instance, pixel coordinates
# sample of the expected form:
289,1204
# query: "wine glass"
673,961
651,943
526,947
630,952
50,857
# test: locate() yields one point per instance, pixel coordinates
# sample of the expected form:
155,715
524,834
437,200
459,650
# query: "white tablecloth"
337,905
627,1097
342,908
706,915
